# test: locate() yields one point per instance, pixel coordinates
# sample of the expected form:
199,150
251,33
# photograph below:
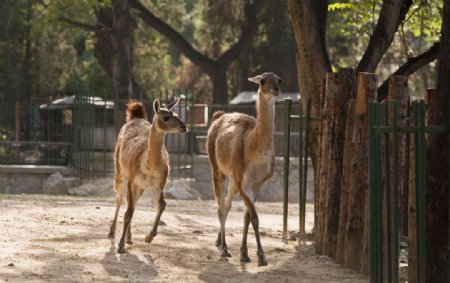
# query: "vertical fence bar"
300,163
305,167
379,198
388,212
407,164
420,189
287,143
395,238
192,135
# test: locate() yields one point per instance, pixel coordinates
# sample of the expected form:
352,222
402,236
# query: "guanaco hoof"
121,249
262,260
245,258
111,235
225,253
149,239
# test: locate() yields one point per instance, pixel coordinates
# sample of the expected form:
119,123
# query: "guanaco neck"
155,144
265,120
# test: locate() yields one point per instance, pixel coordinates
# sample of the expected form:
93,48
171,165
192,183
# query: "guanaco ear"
173,103
156,106
255,79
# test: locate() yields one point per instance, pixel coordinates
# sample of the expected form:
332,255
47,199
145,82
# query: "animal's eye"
280,81
166,118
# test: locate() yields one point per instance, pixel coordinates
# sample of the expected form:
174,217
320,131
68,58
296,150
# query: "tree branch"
249,30
175,37
392,13
79,24
410,67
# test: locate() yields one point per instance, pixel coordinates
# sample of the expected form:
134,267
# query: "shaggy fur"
240,147
142,159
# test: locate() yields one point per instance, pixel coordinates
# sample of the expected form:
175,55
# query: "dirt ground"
63,239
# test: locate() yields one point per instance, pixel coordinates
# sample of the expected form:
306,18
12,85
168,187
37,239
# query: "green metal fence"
33,133
96,123
304,119
380,129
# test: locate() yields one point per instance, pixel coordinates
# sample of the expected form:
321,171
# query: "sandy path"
63,239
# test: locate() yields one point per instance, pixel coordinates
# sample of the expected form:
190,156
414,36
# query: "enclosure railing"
380,129
304,119
32,134
96,126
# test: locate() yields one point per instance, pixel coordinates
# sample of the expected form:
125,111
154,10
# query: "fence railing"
303,120
383,139
80,131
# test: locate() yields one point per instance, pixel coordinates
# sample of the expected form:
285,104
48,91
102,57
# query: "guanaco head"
167,120
269,84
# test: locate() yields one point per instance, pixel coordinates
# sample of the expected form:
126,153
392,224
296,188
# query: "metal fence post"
302,196
420,187
287,143
300,163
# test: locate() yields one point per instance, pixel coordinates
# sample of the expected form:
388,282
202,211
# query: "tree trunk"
365,260
123,26
346,175
208,65
354,235
437,183
319,156
309,24
220,85
104,53
346,91
330,93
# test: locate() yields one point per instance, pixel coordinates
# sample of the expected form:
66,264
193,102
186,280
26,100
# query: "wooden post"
437,190
319,155
346,91
347,171
330,93
354,236
398,91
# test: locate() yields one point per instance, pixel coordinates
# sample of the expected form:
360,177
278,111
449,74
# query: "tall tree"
114,44
437,194
309,24
216,69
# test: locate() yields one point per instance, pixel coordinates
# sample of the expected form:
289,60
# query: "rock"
182,189
97,187
55,185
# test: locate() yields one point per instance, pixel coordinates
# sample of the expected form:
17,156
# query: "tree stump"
346,91
330,93
345,187
359,186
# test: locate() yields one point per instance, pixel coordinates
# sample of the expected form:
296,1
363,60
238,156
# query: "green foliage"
340,6
42,55
349,31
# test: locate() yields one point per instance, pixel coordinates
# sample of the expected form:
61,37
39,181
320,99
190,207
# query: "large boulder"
55,185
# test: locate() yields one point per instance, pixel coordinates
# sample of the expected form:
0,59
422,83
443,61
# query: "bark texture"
354,236
330,93
437,183
345,187
216,69
346,91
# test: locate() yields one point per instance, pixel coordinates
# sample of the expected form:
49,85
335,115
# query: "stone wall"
28,179
36,180
271,191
